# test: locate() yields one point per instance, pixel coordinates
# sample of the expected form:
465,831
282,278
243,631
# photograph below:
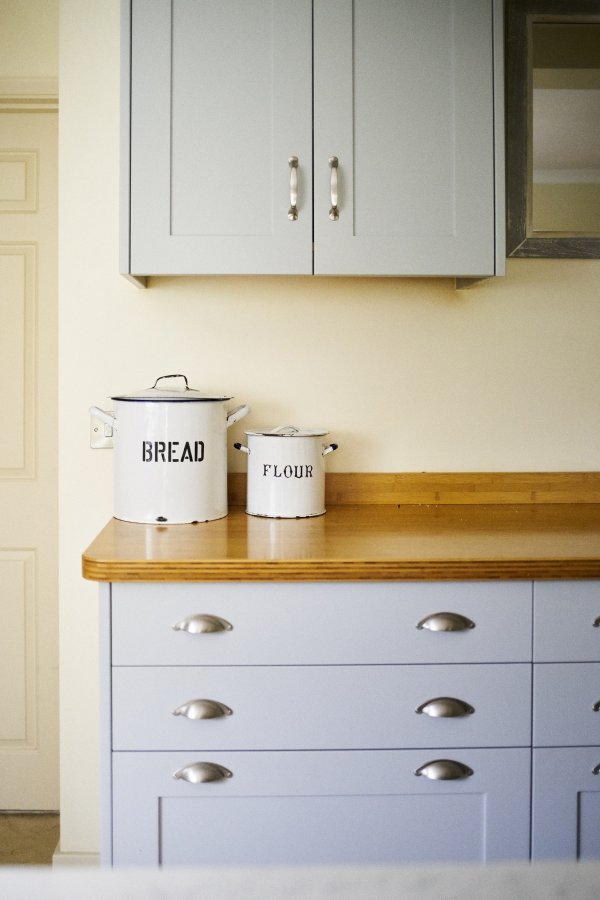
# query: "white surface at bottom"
541,881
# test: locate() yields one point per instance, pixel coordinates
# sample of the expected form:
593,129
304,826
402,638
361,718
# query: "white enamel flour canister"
170,445
286,472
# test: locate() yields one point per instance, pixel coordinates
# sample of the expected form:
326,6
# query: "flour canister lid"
290,431
170,394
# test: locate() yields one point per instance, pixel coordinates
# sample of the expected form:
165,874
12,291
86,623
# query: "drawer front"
300,624
311,807
565,613
321,707
565,697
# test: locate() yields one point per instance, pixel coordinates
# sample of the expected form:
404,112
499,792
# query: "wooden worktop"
360,541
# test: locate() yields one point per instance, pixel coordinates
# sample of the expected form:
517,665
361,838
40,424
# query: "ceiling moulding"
28,94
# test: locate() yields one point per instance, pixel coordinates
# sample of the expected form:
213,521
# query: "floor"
28,839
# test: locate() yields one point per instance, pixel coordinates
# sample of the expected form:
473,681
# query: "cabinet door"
404,98
320,808
566,803
220,100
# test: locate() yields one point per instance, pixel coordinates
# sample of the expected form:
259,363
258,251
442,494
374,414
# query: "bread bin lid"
170,394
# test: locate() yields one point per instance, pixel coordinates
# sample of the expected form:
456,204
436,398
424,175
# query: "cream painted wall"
407,374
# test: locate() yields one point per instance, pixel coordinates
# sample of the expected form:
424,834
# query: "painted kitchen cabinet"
315,723
566,721
328,137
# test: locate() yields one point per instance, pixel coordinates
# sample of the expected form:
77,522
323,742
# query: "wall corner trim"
70,858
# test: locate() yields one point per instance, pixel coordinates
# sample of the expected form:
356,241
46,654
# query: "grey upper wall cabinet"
333,137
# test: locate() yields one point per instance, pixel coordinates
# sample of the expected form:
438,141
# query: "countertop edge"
341,570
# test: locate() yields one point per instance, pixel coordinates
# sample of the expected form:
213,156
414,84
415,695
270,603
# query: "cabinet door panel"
287,624
406,103
565,616
566,803
321,830
220,100
320,707
332,807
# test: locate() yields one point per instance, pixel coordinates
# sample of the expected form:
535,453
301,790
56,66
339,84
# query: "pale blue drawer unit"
316,723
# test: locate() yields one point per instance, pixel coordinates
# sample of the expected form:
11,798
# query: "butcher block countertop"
377,528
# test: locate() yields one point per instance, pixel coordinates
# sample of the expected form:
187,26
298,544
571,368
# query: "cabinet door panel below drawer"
566,803
320,707
322,830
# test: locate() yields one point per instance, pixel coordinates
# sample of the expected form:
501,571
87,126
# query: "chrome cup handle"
203,709
203,772
445,708
446,621
201,623
444,770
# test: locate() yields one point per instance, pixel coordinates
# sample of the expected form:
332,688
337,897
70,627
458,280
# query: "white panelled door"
28,461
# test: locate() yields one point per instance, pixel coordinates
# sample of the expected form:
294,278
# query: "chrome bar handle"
334,212
446,621
202,624
444,770
203,709
445,708
202,772
293,210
